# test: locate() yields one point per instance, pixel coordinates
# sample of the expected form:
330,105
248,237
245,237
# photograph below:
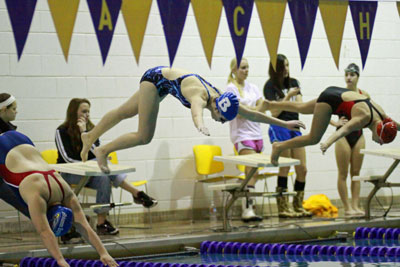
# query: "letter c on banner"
240,31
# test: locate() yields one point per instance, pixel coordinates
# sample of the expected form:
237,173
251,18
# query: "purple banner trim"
21,14
173,16
238,14
102,11
303,14
363,14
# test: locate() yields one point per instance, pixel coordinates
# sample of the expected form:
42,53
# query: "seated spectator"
69,145
8,113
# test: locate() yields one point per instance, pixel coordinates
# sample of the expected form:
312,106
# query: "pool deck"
176,236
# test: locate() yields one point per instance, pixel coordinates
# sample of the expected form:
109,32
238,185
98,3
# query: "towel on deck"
321,206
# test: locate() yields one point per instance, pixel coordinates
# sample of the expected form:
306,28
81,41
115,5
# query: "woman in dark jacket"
8,112
69,145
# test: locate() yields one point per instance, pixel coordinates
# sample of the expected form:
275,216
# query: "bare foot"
352,214
101,160
86,144
275,154
359,211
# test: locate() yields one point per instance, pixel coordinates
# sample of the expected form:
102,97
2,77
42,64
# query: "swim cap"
228,105
353,68
386,130
60,219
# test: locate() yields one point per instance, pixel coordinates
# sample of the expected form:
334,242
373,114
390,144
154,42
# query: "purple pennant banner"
21,14
363,13
104,15
173,16
303,14
238,14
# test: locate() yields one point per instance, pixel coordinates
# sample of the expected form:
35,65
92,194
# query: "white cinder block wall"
44,83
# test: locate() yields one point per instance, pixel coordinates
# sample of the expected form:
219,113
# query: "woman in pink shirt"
246,135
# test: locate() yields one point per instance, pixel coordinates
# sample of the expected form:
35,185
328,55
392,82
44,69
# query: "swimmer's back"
29,155
173,73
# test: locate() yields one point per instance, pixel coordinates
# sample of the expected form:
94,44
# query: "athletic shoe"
145,200
72,233
248,215
106,229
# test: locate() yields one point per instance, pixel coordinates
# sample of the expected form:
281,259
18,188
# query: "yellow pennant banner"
64,15
334,17
136,14
271,13
208,15
398,7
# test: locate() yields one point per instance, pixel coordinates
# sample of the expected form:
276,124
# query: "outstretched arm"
197,106
295,91
352,125
261,117
83,227
258,107
339,123
37,209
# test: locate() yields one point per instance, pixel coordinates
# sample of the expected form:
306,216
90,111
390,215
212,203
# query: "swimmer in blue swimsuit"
53,207
361,111
190,89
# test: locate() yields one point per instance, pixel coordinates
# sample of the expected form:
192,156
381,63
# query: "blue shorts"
280,134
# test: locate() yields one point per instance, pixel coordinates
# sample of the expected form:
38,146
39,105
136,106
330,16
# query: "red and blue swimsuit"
8,141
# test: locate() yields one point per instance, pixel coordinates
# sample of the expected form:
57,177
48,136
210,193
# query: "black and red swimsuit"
333,96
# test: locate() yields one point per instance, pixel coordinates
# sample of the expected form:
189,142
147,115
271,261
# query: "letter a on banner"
303,14
173,15
271,13
238,14
104,15
64,15
363,13
21,14
334,17
208,15
136,14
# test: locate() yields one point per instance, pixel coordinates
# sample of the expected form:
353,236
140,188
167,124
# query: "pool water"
295,260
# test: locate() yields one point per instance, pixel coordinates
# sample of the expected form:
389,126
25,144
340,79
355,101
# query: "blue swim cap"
60,219
228,105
